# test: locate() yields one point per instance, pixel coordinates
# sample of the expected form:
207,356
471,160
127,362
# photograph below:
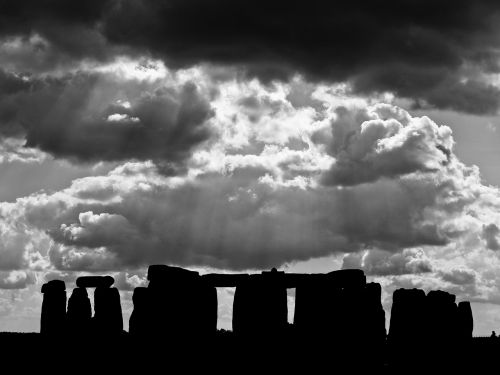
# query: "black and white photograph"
234,185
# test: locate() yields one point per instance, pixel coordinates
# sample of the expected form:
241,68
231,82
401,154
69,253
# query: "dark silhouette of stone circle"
337,312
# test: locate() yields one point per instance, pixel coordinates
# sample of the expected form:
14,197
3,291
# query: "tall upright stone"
373,320
317,310
140,319
180,303
442,316
53,319
260,305
108,318
351,310
79,312
408,316
205,308
322,301
465,321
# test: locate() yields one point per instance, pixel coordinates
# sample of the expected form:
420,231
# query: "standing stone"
108,318
79,312
373,314
464,320
351,310
140,319
322,302
317,310
180,303
442,316
408,316
205,309
260,305
53,319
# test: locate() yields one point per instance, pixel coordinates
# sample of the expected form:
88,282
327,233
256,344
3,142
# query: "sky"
226,136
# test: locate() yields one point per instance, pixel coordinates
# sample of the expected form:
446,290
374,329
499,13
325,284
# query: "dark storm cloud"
72,28
435,52
417,49
78,117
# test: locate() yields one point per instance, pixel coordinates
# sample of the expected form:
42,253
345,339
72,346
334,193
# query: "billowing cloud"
385,142
16,279
459,276
128,282
255,198
93,117
382,263
14,150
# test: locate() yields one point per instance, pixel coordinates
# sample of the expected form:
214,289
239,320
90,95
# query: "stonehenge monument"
340,306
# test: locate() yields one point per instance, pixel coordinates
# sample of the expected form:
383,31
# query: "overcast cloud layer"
437,53
235,137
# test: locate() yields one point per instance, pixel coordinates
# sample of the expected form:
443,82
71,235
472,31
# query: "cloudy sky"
235,136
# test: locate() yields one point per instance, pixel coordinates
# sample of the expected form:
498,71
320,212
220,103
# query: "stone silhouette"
79,313
78,320
339,309
317,307
442,316
53,319
373,320
465,320
260,305
177,302
435,317
322,301
408,315
140,321
108,318
94,281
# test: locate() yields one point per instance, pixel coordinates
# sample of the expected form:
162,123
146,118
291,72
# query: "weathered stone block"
465,320
79,313
53,317
108,318
95,281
